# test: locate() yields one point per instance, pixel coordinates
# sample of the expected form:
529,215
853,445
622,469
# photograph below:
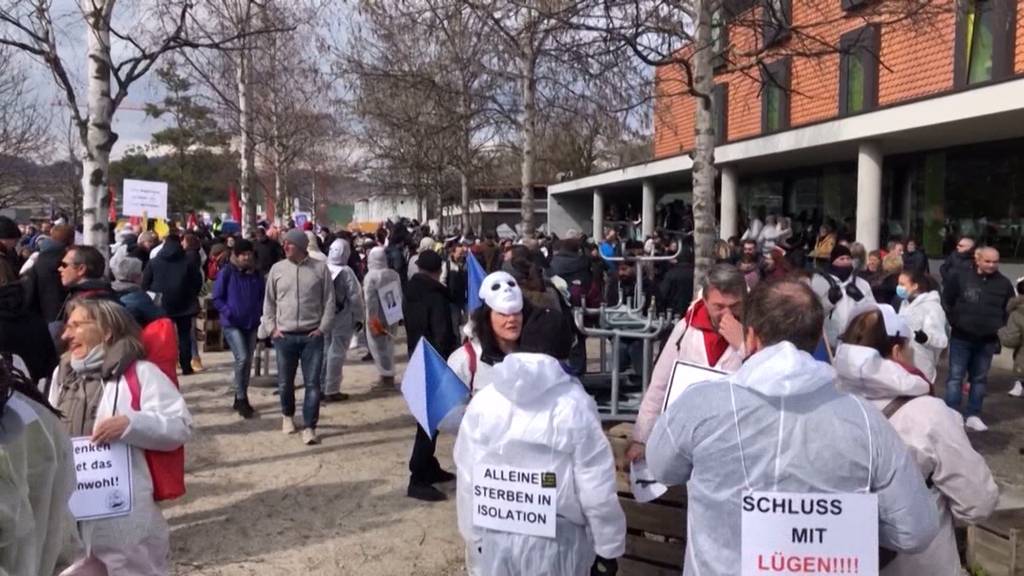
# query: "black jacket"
428,314
956,262
675,293
571,267
44,292
458,283
178,280
916,261
976,304
25,334
267,252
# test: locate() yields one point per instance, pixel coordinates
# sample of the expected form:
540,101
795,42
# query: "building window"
720,111
778,17
985,41
858,70
853,4
719,38
775,89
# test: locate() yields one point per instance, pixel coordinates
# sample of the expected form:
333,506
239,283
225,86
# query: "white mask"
501,293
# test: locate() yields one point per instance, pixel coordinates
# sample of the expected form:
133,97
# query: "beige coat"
961,483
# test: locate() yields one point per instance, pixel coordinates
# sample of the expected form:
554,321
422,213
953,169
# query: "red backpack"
167,469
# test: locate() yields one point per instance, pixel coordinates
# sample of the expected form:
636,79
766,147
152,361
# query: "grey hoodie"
799,435
299,298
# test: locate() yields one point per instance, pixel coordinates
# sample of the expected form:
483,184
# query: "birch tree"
158,28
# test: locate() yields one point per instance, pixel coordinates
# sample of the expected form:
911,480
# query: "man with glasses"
82,273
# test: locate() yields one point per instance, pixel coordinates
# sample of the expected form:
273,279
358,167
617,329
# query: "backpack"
167,469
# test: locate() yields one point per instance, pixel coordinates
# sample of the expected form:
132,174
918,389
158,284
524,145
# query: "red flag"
112,204
236,208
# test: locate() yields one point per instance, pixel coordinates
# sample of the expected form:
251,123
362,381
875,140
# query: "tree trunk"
464,184
528,120
703,172
248,152
98,138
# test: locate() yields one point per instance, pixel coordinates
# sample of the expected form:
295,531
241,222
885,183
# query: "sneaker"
975,423
287,425
441,476
309,437
244,409
1018,389
425,492
197,364
335,397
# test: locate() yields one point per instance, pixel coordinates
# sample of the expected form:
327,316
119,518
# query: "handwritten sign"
515,500
391,301
686,374
809,534
145,198
104,480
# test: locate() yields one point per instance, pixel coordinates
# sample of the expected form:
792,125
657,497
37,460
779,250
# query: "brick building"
915,127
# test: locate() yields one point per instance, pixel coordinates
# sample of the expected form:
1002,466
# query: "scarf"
82,383
715,344
843,274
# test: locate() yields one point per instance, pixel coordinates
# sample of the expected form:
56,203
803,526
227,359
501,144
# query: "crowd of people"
833,350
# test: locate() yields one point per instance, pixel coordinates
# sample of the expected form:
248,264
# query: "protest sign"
300,219
514,500
144,198
685,374
809,534
104,480
391,302
642,483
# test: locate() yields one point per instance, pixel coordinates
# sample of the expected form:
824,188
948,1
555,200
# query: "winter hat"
429,261
839,251
895,326
8,229
242,246
298,238
501,293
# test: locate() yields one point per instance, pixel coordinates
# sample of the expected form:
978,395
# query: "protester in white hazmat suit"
778,425
378,337
348,318
535,417
839,289
923,313
37,477
871,361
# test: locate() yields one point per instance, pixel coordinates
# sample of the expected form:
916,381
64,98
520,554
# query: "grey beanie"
298,238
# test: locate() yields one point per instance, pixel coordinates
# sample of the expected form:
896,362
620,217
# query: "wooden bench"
655,531
208,326
997,544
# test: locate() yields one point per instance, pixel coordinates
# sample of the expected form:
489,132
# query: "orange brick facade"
916,61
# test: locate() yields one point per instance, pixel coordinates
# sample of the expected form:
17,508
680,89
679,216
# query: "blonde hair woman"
91,390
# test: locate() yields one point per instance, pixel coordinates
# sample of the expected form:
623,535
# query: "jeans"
292,349
243,345
335,349
971,359
184,327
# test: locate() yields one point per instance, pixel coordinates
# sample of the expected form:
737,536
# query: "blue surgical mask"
902,292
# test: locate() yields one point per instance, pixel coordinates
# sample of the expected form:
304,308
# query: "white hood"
524,378
864,372
783,370
337,257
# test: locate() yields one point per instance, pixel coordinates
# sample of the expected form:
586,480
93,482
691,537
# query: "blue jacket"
238,297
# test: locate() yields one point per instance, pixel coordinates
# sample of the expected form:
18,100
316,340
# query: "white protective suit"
837,315
137,544
798,434
534,415
925,313
961,483
37,477
349,295
377,275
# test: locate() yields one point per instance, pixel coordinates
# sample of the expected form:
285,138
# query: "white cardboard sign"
145,198
515,500
391,302
104,480
685,374
809,534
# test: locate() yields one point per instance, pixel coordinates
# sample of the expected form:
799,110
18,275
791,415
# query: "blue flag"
476,279
431,389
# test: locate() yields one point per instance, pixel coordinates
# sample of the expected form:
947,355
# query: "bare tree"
24,128
158,28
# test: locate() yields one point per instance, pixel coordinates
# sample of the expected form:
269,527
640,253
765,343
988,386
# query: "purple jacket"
238,297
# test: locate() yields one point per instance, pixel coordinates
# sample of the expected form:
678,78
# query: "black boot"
425,492
244,409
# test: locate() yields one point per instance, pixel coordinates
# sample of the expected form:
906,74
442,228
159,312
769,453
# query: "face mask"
902,292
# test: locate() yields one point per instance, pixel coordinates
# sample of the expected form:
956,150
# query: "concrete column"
648,216
598,230
869,194
730,212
